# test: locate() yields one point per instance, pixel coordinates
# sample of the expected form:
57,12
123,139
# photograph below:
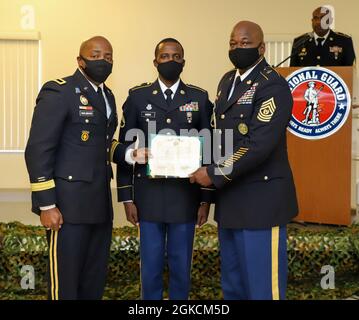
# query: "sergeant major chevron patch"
266,110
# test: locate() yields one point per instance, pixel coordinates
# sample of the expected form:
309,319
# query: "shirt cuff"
127,201
128,157
48,207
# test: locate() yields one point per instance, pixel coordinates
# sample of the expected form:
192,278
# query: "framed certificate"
174,156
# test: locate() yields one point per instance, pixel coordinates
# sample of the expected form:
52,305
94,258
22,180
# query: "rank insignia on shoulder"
85,135
143,85
60,81
195,87
266,110
343,34
84,100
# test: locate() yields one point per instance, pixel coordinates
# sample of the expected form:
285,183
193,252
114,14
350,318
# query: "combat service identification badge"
85,135
242,128
321,102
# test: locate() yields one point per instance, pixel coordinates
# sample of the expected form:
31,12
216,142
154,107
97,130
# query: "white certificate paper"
174,156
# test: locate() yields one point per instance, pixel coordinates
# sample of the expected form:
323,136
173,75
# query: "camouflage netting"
309,249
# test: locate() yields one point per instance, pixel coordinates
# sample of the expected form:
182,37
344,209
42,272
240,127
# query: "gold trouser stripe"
55,267
275,249
41,186
51,264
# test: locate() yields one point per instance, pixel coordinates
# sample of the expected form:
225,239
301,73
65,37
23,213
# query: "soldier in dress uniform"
255,196
322,47
68,159
166,210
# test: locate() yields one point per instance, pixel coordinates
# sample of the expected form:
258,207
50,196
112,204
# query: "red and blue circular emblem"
321,102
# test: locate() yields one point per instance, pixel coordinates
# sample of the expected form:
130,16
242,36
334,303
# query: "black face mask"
170,70
97,70
243,58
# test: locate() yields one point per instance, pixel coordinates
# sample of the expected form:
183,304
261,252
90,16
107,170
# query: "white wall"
134,27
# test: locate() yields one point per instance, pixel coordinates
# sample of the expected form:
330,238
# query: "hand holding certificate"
174,156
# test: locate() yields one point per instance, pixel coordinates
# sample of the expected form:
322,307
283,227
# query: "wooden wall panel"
322,168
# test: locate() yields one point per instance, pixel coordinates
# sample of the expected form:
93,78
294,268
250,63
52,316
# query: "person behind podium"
322,46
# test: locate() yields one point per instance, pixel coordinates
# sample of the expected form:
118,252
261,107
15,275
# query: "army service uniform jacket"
69,149
255,188
337,50
171,200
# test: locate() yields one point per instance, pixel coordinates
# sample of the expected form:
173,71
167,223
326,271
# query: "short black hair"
167,40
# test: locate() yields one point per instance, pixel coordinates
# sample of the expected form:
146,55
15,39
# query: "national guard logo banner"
321,102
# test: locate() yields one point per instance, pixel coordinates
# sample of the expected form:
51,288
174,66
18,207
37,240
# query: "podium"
322,168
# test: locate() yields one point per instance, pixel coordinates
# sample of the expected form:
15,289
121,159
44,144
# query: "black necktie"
320,42
168,94
102,101
237,81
